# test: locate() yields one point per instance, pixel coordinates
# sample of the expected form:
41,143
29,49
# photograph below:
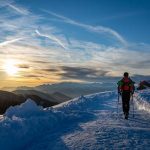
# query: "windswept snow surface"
85,123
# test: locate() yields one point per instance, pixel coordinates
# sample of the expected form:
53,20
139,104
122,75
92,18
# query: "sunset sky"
49,41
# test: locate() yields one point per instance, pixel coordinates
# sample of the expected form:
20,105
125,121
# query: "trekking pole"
133,105
118,105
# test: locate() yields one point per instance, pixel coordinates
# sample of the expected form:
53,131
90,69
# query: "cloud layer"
96,29
44,54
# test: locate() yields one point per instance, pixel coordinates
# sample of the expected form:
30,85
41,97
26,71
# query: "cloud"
79,60
19,9
82,73
33,76
23,66
4,3
51,37
10,41
40,62
51,70
2,74
145,64
96,29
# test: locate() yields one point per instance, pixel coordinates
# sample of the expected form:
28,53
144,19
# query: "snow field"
88,122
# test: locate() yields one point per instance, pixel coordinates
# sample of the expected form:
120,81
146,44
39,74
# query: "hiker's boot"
126,116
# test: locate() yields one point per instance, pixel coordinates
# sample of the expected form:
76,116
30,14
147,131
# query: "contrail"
10,41
96,29
51,37
19,9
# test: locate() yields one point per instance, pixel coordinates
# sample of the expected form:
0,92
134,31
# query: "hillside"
56,97
8,99
34,92
88,122
60,97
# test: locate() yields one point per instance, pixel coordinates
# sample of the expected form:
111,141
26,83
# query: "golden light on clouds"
37,50
10,67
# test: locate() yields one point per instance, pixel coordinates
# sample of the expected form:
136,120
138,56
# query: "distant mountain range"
54,97
76,89
17,97
70,89
48,95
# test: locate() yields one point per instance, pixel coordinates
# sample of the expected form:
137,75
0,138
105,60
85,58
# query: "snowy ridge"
88,122
142,100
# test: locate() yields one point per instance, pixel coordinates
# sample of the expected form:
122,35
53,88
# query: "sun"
10,67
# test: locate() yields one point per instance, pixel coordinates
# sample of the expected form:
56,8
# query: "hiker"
126,89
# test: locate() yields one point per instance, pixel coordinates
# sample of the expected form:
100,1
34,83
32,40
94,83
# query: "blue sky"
130,18
73,40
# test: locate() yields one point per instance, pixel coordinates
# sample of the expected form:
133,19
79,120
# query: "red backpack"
127,84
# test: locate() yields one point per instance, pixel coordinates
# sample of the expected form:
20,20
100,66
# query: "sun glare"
10,67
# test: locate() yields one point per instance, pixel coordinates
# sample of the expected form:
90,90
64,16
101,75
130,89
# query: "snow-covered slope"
87,123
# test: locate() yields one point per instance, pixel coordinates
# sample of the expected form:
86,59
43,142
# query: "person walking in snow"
126,89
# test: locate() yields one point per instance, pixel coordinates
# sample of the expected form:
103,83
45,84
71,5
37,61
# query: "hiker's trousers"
126,102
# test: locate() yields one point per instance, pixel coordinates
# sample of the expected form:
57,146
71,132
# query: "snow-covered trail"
87,123
110,131
100,127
